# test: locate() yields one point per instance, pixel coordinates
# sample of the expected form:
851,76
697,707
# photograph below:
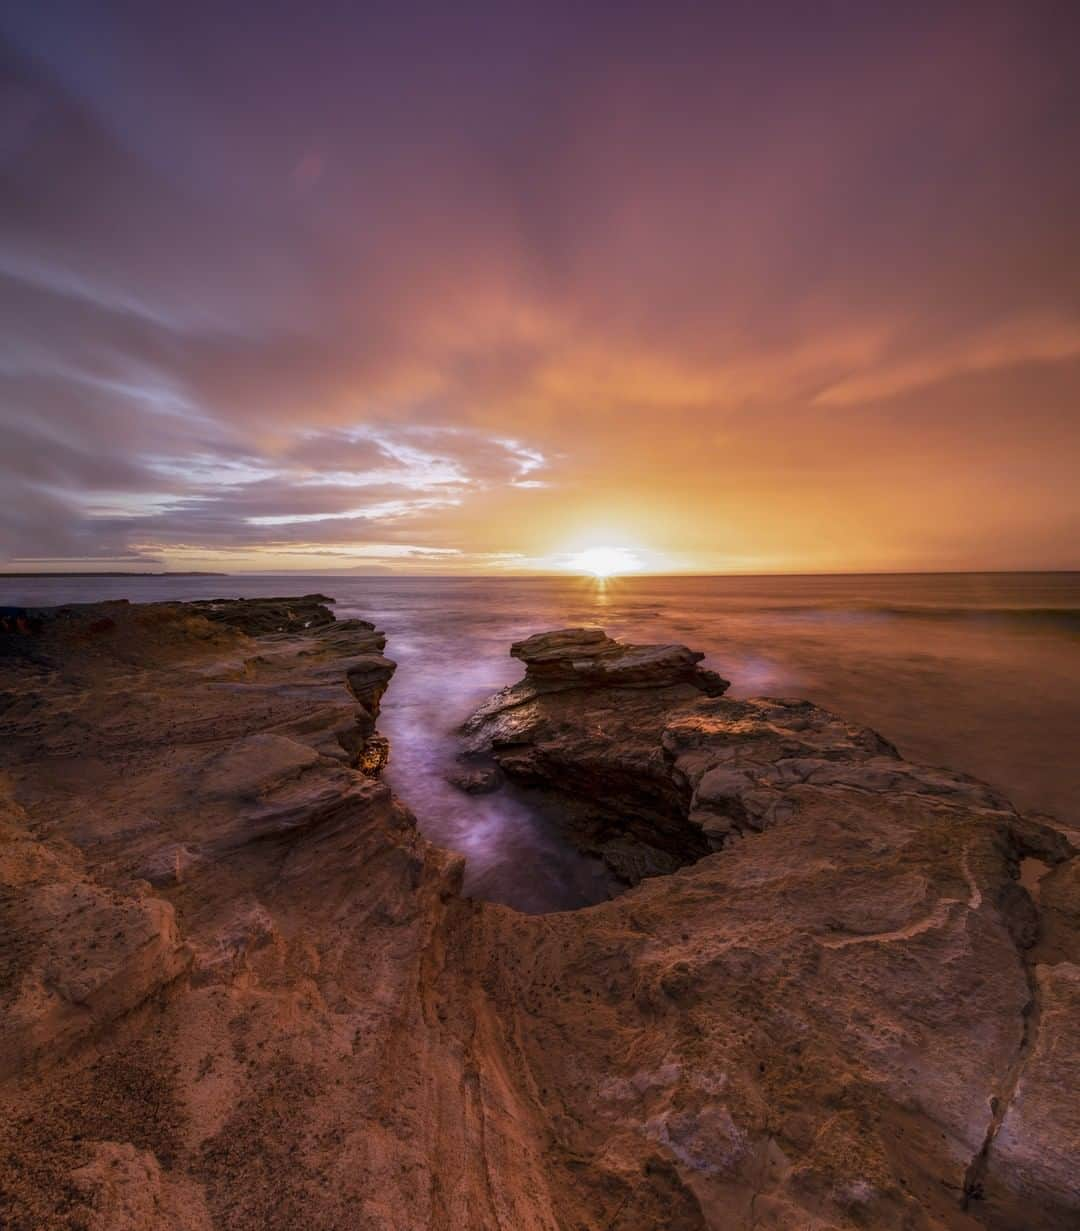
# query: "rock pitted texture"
240,991
77,955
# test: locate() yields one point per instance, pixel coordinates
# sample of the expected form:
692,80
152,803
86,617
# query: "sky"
733,287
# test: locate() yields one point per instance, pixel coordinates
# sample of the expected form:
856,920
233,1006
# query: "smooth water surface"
979,672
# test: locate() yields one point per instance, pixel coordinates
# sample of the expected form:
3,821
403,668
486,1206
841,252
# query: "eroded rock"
584,657
125,1189
259,616
841,1009
670,770
864,1024
78,955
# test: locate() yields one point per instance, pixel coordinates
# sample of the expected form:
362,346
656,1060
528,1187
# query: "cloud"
370,479
1002,346
474,283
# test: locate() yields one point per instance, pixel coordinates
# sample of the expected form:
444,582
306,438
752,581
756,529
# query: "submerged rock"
476,780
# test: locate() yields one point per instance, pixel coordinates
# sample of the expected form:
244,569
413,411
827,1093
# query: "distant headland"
115,573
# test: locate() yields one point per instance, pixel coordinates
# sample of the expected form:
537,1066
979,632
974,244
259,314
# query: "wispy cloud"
1004,345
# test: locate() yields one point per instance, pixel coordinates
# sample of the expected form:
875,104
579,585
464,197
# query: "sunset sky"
732,286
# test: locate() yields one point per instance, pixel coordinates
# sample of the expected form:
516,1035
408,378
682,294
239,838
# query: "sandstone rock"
861,919
686,773
170,864
255,765
583,657
125,1189
78,955
368,678
829,1003
1029,1175
265,1084
259,616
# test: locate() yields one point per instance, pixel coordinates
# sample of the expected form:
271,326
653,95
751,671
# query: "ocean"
978,672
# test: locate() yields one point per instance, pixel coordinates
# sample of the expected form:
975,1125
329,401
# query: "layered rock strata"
843,904
240,991
575,657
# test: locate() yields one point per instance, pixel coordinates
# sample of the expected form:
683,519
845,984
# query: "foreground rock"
213,914
849,1003
240,991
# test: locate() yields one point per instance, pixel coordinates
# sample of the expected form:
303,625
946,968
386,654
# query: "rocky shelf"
239,989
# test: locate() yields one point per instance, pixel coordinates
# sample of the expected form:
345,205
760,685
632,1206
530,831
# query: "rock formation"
572,657
255,616
239,990
859,909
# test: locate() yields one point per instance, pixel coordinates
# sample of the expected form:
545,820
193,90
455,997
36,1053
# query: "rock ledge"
588,657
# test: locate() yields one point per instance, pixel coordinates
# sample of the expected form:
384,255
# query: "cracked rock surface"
239,990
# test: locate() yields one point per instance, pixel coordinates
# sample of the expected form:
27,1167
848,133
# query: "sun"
603,562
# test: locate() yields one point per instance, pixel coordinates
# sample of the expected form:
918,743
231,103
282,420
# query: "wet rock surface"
239,990
476,779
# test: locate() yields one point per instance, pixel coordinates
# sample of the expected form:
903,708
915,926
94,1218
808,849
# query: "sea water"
978,672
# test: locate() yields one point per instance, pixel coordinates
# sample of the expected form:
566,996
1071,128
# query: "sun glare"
604,562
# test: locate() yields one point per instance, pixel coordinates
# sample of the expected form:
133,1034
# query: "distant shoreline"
120,573
561,573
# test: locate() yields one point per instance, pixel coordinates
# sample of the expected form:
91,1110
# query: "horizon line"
536,576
